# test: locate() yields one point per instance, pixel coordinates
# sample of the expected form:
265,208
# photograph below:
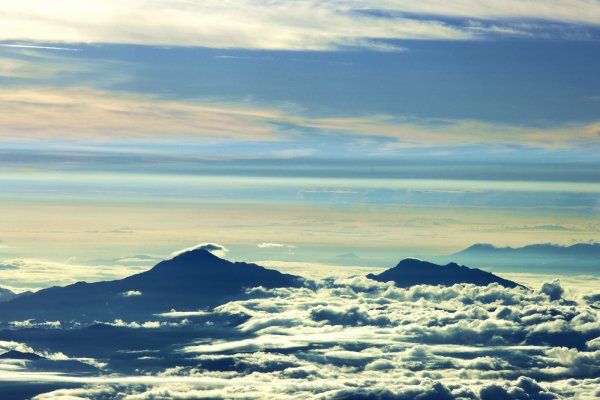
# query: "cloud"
539,228
353,338
91,117
15,68
354,316
523,388
426,133
183,314
577,363
22,274
283,25
553,289
594,344
578,11
214,248
14,346
31,46
137,259
249,24
131,293
12,264
134,324
270,245
30,324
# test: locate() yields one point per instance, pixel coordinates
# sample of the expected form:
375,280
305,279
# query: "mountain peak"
196,253
412,263
411,271
189,281
481,246
189,261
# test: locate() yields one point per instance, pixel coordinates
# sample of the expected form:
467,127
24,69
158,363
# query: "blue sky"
386,129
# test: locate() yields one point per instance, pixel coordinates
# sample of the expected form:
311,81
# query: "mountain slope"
189,281
410,272
6,294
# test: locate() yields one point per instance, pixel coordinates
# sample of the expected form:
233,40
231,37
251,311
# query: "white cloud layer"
275,25
356,338
22,274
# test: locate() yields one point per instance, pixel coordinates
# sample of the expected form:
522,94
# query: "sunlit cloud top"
282,25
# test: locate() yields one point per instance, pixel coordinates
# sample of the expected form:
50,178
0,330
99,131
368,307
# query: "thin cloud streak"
89,116
84,114
30,46
573,11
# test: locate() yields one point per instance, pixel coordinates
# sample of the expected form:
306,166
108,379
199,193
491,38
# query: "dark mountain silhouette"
7,294
19,355
581,258
410,272
189,281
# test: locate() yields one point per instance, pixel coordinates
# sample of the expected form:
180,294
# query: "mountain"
581,258
19,355
351,259
585,250
410,272
190,281
6,294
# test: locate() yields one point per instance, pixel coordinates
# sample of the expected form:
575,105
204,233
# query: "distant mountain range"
581,258
194,280
190,281
410,272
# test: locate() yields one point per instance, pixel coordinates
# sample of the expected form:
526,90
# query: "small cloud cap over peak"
214,248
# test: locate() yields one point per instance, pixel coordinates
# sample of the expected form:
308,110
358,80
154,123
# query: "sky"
287,131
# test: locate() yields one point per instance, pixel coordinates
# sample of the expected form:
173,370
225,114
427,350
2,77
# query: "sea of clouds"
354,338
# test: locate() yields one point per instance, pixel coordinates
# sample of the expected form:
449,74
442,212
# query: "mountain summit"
189,281
410,272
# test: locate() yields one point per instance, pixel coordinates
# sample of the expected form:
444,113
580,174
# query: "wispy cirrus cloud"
36,47
87,114
435,133
577,11
19,68
90,116
301,25
277,25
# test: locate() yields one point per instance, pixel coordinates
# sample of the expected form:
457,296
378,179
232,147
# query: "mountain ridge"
411,271
187,281
579,258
